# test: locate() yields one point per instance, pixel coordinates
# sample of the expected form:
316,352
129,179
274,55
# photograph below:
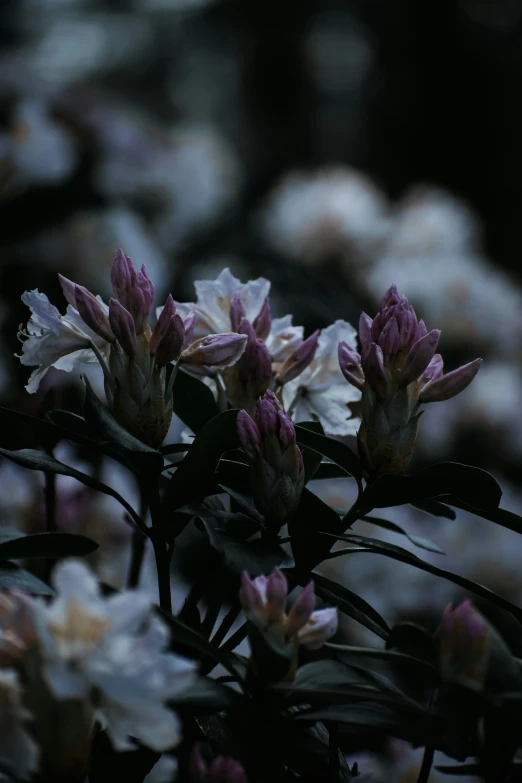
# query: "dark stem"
226,625
427,761
333,753
138,547
215,602
161,553
50,502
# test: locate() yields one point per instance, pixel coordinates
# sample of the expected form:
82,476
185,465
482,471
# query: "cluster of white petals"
18,751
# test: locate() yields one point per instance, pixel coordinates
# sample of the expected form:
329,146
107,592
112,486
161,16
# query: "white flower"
54,340
163,770
284,338
321,390
111,650
17,750
214,297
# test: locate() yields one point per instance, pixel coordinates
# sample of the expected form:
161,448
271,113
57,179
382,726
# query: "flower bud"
276,595
262,323
374,371
321,626
446,386
299,359
249,435
250,377
216,350
419,357
464,645
134,290
92,314
170,345
350,364
237,311
222,769
162,324
301,611
122,325
252,596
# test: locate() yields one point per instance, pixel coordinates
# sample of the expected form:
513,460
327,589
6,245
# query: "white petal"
283,338
64,682
329,406
127,611
17,749
73,580
163,770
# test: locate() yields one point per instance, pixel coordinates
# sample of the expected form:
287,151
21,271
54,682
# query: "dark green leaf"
460,769
39,460
273,656
194,402
403,556
329,470
411,640
311,459
257,557
13,577
311,515
195,475
336,451
468,484
245,503
500,516
44,430
435,508
351,604
205,695
422,543
391,657
46,545
174,448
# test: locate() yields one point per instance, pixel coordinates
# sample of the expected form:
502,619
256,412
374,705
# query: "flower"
132,355
110,654
18,751
320,392
397,370
276,463
223,769
264,600
464,645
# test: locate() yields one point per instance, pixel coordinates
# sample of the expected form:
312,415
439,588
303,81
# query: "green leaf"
39,460
500,516
336,451
402,555
389,656
257,557
273,655
139,457
44,429
351,604
46,545
195,475
435,508
311,459
193,401
13,577
174,448
311,514
205,695
468,484
422,543
329,470
245,503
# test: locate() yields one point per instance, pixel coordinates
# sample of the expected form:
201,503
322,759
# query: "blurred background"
333,146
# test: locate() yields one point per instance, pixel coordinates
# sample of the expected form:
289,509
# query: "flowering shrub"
253,678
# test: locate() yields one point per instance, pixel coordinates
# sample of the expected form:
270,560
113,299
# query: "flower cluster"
85,658
397,370
134,357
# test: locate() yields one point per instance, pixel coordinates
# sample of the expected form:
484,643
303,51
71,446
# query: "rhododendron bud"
162,324
134,290
93,314
237,311
262,323
464,639
276,464
321,626
397,371
298,360
302,610
249,378
122,325
216,350
223,769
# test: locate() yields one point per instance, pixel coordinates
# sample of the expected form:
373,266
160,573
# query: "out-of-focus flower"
276,462
18,751
334,211
398,370
320,392
264,600
133,357
464,645
223,769
163,771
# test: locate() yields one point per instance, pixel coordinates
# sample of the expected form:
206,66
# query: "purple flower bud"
216,350
263,321
390,298
419,357
421,331
255,366
389,340
350,364
374,371
446,386
237,311
123,277
266,416
122,325
286,430
271,397
92,313
188,326
365,327
433,370
198,767
226,770
69,289
407,323
276,595
163,324
321,626
252,598
299,359
464,639
301,611
248,434
170,345
134,290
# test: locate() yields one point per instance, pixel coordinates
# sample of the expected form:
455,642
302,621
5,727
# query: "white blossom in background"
163,770
321,392
115,648
311,215
18,751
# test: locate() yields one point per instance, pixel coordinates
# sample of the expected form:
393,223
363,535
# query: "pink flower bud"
123,276
69,289
301,611
237,311
122,325
286,430
321,626
374,371
263,321
171,343
433,370
134,290
464,640
265,416
299,359
276,595
252,596
365,326
226,770
254,369
92,313
390,298
350,364
249,435
389,340
162,324
446,386
419,357
216,350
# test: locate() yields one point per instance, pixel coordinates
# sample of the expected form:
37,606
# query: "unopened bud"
301,611
92,313
216,350
299,360
446,386
237,311
263,321
249,435
122,325
321,626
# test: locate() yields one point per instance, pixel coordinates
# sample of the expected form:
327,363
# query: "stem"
215,603
106,372
170,385
138,546
294,402
222,399
427,761
226,624
161,553
333,746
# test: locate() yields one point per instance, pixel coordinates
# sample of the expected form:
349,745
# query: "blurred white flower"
17,750
321,391
163,770
111,651
310,216
54,340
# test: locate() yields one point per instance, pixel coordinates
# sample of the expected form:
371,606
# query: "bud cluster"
397,370
223,769
276,463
